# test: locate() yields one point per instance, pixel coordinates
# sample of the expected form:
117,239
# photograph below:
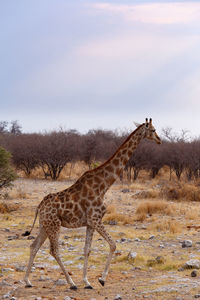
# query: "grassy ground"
152,219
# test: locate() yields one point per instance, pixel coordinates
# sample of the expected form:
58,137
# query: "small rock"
192,264
7,270
186,244
181,269
197,296
194,273
137,240
67,298
123,240
60,282
7,230
42,278
4,283
112,222
161,246
20,268
69,262
117,297
30,237
79,266
55,267
132,255
151,237
125,191
6,296
13,237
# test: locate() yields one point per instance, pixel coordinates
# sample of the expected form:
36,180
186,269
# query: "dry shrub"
151,193
110,209
7,208
181,192
18,194
70,171
73,170
190,192
192,214
166,225
37,173
152,207
118,218
140,217
112,216
189,213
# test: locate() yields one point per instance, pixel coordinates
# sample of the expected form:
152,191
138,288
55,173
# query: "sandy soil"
141,278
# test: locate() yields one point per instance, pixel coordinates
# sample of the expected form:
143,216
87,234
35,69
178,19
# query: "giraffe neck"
112,168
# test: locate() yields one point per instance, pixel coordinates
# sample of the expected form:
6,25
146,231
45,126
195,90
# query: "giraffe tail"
26,233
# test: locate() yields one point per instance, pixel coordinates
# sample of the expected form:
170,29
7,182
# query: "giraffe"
82,205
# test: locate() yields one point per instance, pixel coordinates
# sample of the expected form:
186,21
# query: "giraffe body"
82,205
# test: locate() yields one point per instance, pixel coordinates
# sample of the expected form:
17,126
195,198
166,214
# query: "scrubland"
149,219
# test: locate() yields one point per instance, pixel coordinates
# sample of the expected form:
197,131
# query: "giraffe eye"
153,130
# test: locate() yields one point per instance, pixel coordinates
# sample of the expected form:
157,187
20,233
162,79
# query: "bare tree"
23,151
3,127
55,150
15,128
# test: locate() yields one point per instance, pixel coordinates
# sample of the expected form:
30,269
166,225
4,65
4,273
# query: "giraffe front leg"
101,230
88,242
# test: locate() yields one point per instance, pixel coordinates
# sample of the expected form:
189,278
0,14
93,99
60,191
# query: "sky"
100,64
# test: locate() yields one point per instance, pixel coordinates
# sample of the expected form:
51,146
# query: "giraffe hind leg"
34,247
53,234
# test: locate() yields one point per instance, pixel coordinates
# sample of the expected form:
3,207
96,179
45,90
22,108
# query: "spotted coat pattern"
82,205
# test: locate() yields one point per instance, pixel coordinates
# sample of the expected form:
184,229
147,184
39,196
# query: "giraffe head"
150,132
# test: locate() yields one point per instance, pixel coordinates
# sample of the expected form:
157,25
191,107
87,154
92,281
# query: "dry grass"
140,217
15,194
181,191
148,194
151,207
7,208
70,171
168,225
112,216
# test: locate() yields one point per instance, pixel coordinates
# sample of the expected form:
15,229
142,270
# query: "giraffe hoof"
73,287
89,287
28,286
101,281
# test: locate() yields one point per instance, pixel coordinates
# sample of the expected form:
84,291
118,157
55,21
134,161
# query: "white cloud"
156,13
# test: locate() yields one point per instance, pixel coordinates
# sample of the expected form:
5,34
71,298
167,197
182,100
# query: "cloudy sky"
100,64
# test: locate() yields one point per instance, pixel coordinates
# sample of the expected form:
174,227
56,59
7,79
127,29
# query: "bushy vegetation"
7,174
51,151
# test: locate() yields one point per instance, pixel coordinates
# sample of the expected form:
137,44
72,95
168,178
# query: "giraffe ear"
137,124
